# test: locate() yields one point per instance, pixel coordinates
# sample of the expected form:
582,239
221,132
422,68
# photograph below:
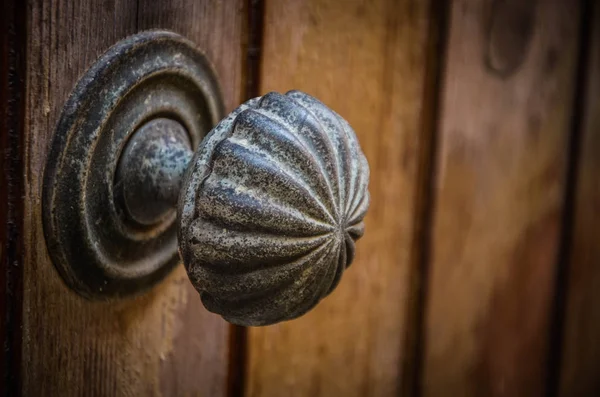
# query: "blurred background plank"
367,61
580,375
504,135
163,342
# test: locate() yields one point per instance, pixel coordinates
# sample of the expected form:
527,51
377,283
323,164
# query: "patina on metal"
100,240
151,169
271,207
267,210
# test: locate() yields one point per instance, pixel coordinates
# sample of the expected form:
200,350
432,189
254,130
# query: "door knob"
265,208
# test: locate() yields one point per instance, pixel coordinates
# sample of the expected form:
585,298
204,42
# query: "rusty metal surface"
271,207
95,245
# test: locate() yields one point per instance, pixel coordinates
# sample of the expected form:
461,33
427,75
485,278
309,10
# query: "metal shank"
151,170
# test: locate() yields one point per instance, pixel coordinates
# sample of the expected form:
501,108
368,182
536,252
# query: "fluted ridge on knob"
271,207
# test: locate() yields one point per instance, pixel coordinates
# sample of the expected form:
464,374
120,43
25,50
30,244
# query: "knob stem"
151,169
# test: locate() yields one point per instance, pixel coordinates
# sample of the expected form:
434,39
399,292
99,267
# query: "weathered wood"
12,127
365,60
201,351
581,332
504,134
160,343
217,27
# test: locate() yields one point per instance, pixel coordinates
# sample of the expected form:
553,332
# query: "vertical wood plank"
581,332
199,357
216,26
69,345
366,60
12,126
504,134
160,343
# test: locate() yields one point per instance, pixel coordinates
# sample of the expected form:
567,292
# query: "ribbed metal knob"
270,209
265,207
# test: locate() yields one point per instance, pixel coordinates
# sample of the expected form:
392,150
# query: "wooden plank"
199,358
12,126
504,134
366,60
581,335
161,343
217,27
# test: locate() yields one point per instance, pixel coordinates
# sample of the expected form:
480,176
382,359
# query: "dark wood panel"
12,120
503,145
580,375
367,61
161,343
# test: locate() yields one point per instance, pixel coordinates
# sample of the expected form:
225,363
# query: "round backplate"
97,249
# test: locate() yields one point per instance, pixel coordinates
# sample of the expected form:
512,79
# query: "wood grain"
504,134
12,128
216,26
581,337
161,343
366,60
200,354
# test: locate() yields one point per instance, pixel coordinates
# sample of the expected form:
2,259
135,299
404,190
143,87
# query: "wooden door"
476,275
161,343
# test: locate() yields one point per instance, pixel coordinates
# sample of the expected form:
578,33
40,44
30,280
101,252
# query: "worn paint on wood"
499,198
365,60
581,331
163,342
